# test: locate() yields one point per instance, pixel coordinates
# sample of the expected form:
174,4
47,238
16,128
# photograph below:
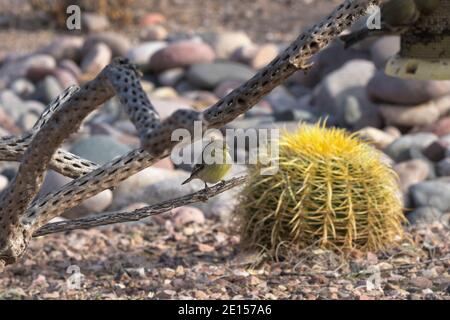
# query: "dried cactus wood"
20,216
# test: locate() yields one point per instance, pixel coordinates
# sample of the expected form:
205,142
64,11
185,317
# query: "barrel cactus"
331,190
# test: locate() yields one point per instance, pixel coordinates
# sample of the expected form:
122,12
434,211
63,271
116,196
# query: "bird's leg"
204,195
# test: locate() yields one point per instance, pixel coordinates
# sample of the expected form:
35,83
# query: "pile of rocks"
409,120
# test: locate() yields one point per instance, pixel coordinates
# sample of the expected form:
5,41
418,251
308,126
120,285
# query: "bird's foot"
204,194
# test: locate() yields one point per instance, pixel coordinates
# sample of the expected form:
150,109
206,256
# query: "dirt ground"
154,260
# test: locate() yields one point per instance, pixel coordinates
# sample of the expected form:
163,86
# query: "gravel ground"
154,260
263,20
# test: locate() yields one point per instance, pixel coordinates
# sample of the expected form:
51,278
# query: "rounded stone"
96,204
48,89
225,43
434,193
443,167
405,91
93,22
383,49
181,54
264,55
186,215
165,107
64,47
377,137
142,53
424,215
22,87
342,95
171,77
209,75
441,127
96,59
65,77
153,33
400,148
411,172
72,67
99,148
3,182
118,43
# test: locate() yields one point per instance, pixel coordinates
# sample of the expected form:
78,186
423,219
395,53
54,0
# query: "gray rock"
281,99
295,115
118,43
225,43
96,204
186,215
261,109
99,148
47,89
165,107
96,59
35,107
410,116
383,49
72,67
12,104
342,94
65,77
93,22
3,182
170,77
18,67
436,151
377,137
405,91
443,167
399,150
9,170
180,55
27,120
226,87
22,87
264,55
424,215
64,47
153,33
209,75
142,53
435,193
335,56
411,172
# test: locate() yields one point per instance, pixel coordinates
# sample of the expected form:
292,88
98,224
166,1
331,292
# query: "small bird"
212,172
396,17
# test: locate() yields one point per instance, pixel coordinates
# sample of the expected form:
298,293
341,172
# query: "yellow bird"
212,172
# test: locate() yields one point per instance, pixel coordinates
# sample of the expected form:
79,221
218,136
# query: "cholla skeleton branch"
37,151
